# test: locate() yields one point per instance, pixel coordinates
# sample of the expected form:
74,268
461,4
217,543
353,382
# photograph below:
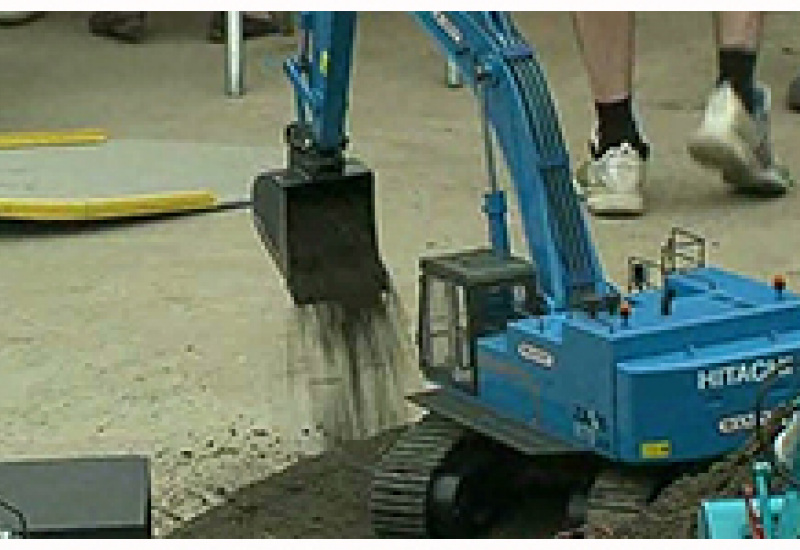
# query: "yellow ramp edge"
20,140
106,208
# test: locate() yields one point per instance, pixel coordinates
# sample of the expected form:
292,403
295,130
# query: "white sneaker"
738,144
612,184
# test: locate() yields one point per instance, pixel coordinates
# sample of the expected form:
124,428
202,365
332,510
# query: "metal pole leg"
453,75
234,54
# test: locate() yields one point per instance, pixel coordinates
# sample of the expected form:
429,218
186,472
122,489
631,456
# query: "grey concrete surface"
128,167
171,338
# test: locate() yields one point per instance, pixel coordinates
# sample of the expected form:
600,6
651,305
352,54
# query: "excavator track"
617,495
401,486
418,487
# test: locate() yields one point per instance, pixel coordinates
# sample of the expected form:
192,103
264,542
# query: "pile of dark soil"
327,496
321,497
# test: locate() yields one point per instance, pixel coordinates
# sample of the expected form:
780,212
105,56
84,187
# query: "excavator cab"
465,296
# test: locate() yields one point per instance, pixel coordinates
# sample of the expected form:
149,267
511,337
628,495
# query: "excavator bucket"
320,231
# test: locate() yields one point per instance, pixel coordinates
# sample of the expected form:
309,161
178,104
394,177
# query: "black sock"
616,125
737,66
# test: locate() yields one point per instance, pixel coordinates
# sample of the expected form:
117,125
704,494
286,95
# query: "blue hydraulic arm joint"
494,201
321,77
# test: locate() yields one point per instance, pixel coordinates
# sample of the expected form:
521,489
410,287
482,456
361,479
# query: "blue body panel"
654,388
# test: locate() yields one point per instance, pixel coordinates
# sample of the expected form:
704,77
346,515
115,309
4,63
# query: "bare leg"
606,40
738,29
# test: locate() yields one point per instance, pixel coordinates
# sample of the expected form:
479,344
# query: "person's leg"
738,37
612,178
734,137
606,41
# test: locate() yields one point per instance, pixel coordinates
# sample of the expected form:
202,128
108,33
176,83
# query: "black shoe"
252,27
125,26
17,18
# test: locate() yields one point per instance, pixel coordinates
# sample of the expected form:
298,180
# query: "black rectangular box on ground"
106,497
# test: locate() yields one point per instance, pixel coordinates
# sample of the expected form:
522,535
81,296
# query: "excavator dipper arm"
504,73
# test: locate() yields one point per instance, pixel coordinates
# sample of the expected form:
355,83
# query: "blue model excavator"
539,369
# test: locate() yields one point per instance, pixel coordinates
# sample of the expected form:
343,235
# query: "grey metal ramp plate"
483,420
85,497
128,167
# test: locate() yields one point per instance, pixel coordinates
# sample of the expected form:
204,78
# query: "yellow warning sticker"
655,449
323,63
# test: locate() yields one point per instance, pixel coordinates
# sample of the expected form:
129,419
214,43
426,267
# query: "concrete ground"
172,338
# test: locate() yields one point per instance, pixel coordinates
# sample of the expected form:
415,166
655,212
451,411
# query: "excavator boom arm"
504,73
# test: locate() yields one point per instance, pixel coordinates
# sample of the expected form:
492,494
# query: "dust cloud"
348,371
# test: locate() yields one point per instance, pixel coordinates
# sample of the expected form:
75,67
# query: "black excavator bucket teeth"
320,231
